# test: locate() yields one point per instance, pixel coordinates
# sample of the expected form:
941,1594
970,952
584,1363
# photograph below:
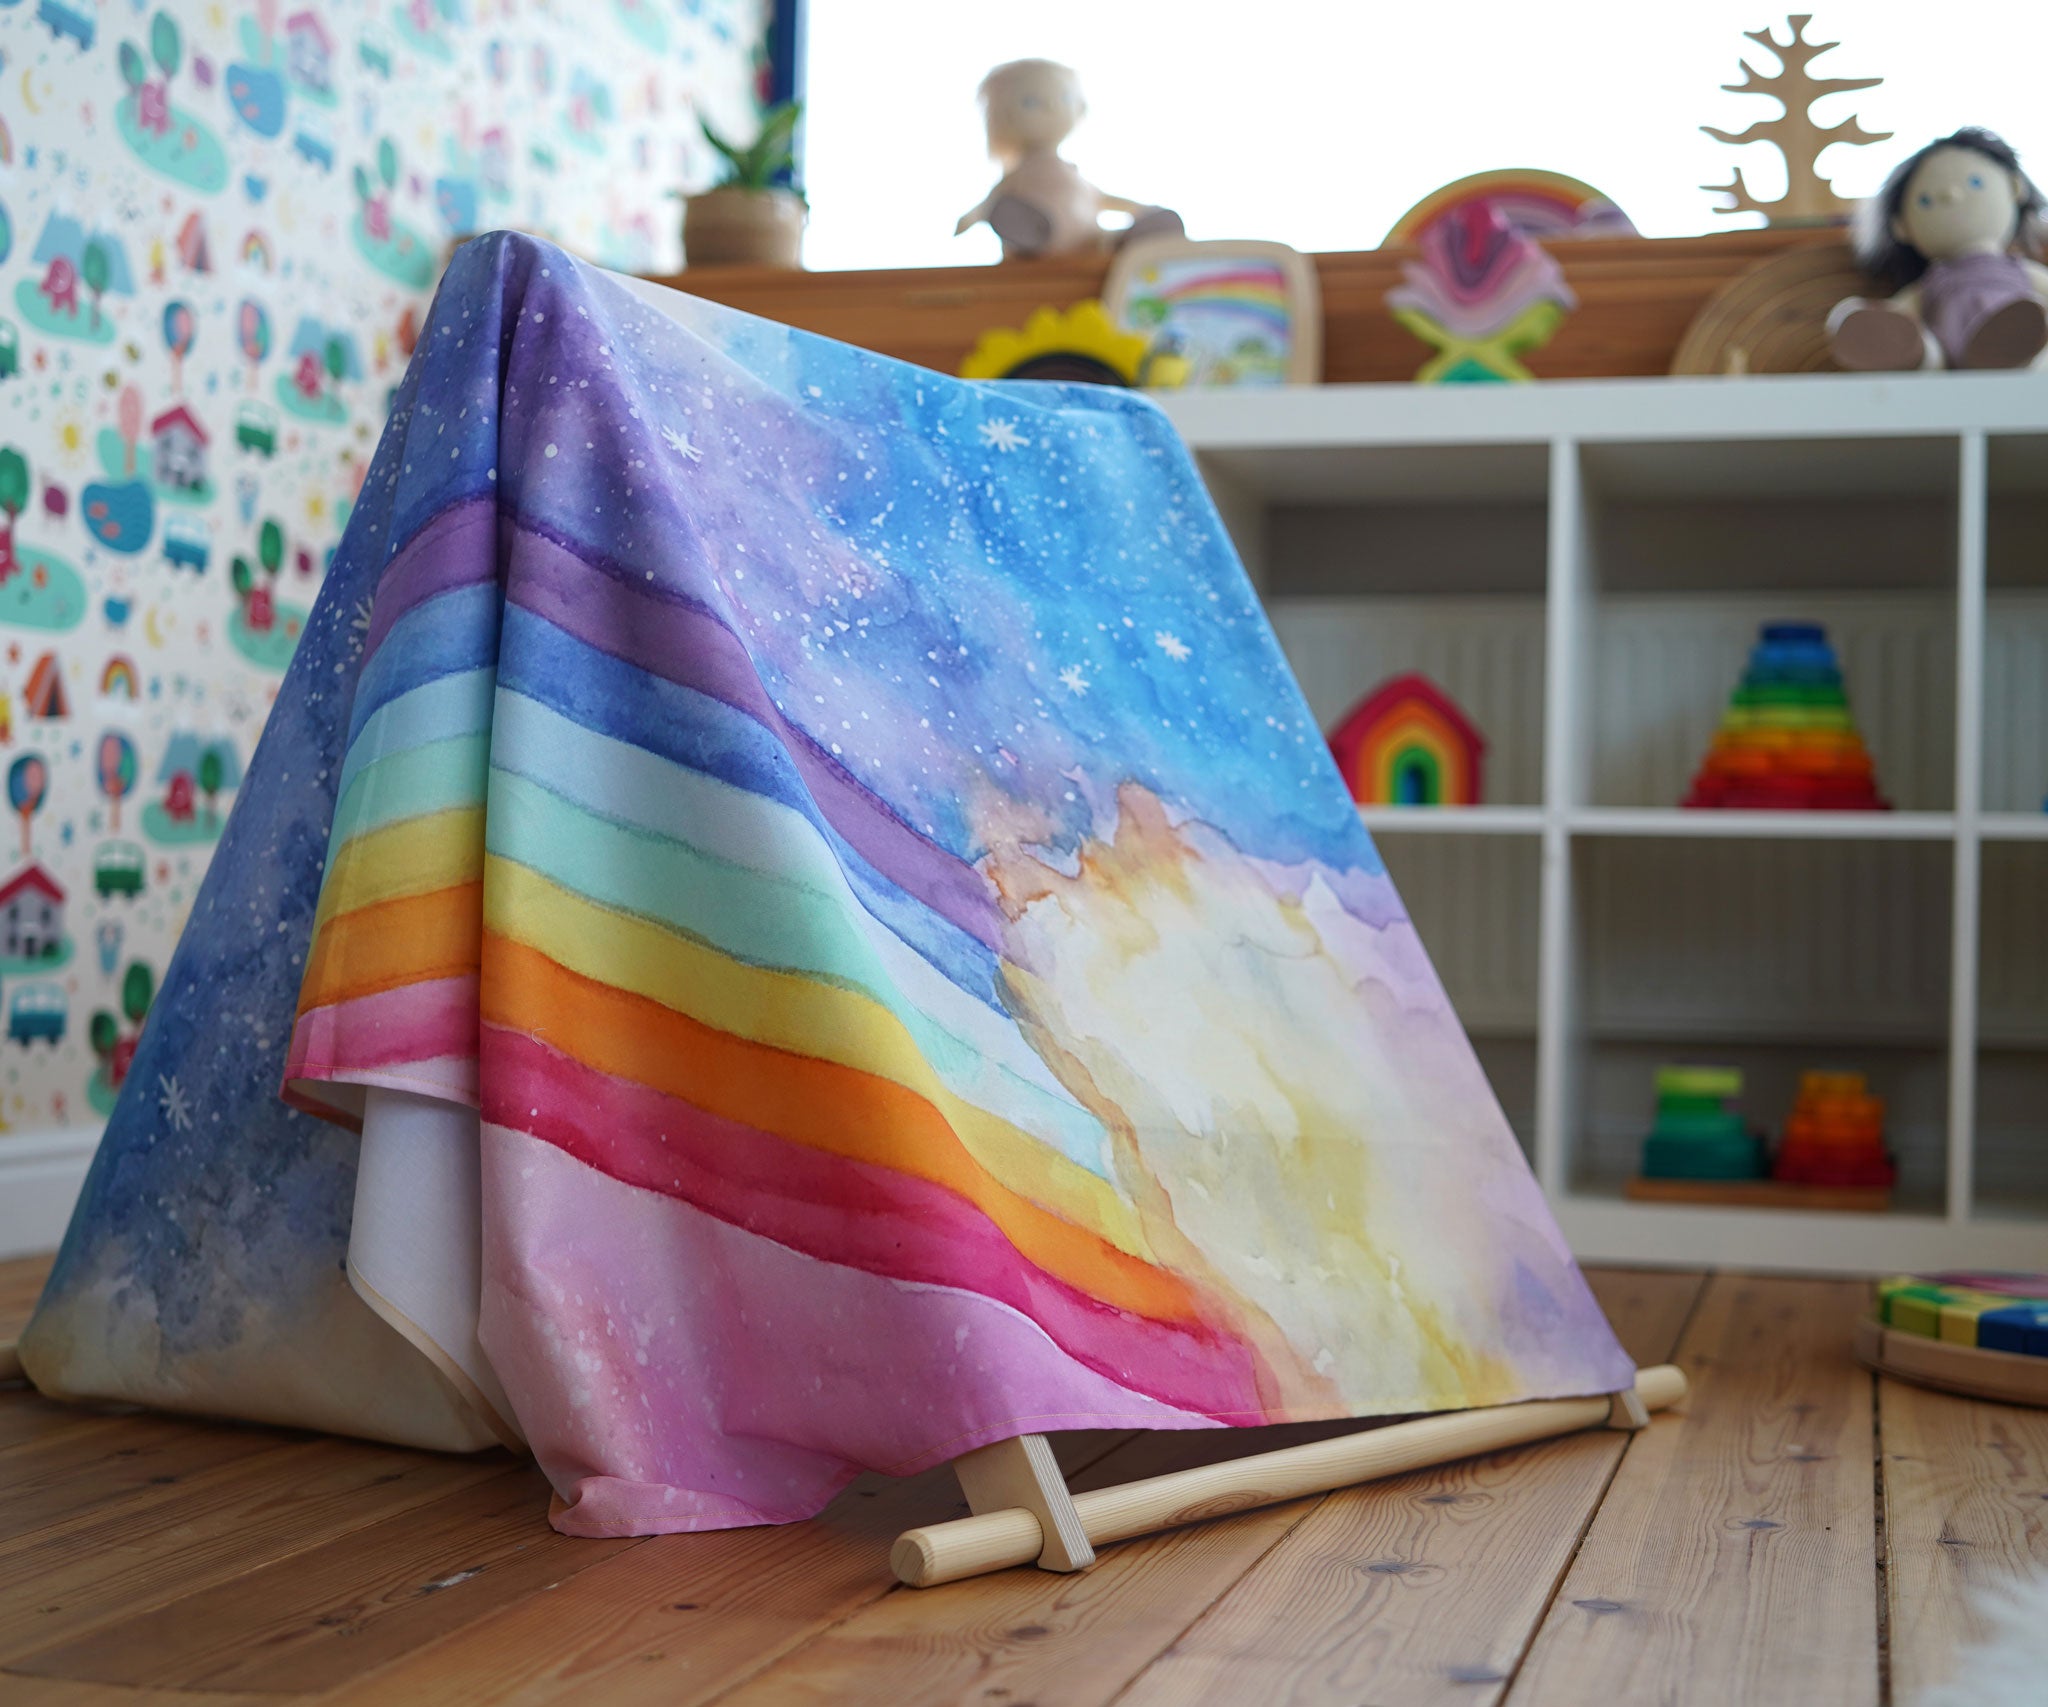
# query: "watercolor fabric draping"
846,943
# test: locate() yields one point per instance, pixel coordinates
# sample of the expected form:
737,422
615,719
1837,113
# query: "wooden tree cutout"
1808,199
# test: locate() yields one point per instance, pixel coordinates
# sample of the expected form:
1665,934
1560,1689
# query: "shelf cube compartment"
1776,959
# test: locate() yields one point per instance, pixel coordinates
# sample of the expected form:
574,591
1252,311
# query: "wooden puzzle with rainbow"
1993,1312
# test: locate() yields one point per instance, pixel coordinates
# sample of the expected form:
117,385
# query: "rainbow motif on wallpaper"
118,679
916,976
1407,744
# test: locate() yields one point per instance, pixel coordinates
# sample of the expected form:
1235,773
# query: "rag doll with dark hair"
1953,233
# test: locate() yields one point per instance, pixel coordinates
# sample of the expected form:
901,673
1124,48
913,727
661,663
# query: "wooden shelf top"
1636,297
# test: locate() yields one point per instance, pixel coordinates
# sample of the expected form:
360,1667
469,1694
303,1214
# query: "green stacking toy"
1698,1134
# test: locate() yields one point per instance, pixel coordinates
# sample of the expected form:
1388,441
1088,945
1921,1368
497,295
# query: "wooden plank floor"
1802,1534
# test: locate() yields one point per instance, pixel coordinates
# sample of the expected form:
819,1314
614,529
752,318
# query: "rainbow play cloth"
803,925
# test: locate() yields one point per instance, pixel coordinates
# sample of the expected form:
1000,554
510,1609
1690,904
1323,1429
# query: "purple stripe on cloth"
685,645
458,548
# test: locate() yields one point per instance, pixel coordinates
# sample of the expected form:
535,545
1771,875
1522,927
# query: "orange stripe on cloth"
392,943
821,1104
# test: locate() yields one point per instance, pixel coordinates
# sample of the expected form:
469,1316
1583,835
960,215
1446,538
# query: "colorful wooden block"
2020,1327
1915,1311
1958,1318
2008,1283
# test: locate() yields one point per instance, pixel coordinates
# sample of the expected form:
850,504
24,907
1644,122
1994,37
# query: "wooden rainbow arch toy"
1407,744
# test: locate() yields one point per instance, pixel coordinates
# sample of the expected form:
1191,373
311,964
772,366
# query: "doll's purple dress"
1957,296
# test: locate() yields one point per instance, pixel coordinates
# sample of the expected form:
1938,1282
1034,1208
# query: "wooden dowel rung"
992,1541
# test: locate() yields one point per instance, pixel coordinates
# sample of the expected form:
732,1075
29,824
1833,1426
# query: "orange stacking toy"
1787,741
1835,1135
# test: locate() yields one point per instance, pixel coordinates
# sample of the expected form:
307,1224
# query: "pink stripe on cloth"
849,1212
674,1372
420,1037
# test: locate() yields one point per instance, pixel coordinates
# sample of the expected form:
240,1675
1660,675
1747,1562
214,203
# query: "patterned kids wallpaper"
220,224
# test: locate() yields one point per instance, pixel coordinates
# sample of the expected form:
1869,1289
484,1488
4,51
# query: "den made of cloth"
843,939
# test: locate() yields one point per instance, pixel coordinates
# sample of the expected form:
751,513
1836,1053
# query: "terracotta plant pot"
743,228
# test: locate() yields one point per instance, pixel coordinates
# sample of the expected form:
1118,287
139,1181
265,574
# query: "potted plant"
753,216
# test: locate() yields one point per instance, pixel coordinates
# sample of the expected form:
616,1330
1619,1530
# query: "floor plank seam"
1311,1507
1881,1545
1628,1440
1571,1560
1692,1310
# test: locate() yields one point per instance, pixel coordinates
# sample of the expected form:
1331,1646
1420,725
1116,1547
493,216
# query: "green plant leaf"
731,154
766,158
778,126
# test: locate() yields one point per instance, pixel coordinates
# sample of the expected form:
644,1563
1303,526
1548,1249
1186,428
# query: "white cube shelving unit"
1584,566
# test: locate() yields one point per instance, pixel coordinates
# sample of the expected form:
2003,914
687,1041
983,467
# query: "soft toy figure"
1953,232
1043,206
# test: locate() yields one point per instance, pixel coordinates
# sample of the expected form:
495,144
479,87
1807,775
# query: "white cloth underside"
415,1250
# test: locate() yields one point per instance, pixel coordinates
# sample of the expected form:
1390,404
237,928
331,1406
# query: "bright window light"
1318,122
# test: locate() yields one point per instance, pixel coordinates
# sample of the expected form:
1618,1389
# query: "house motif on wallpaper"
195,766
179,444
31,916
309,51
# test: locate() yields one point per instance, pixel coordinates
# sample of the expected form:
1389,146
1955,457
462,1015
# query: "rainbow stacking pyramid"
1787,741
804,926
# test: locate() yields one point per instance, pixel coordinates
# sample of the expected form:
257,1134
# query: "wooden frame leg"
1022,1474
1627,1411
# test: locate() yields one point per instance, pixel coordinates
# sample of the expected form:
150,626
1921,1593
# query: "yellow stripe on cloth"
436,851
797,1015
